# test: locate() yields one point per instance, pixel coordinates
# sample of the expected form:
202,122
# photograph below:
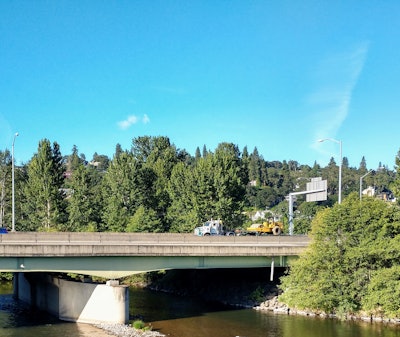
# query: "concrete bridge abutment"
73,301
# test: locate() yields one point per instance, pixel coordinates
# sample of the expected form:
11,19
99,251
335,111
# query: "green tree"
383,293
44,206
205,151
254,167
118,150
121,192
197,154
229,183
306,213
363,166
144,220
100,161
160,156
5,183
350,242
73,160
395,185
182,214
212,188
83,205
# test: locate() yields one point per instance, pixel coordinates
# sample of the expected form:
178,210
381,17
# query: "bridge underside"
114,267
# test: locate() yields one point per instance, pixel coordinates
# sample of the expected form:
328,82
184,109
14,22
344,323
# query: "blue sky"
276,75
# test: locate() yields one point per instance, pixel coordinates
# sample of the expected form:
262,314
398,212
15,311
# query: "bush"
138,324
352,263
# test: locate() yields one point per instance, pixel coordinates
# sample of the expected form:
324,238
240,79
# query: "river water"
183,317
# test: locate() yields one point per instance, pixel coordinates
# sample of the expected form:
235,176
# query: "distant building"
369,191
385,195
258,215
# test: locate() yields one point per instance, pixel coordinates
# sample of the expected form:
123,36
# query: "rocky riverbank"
273,305
123,330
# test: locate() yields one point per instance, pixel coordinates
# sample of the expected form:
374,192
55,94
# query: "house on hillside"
369,191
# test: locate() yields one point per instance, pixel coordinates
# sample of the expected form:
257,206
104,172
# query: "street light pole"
361,178
340,165
12,182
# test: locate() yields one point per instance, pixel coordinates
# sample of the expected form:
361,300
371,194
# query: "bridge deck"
147,244
115,255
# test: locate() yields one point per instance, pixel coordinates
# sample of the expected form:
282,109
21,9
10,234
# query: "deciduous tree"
355,249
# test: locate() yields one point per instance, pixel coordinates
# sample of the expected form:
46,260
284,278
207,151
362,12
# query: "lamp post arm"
361,179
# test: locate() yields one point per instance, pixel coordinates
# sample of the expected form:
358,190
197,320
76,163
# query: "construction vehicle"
212,227
268,227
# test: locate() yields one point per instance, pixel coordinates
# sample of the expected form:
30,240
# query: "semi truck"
212,227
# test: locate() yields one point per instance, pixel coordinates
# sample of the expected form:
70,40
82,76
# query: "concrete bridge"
115,255
35,257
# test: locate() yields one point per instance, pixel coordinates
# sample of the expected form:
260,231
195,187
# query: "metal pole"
291,225
291,214
12,183
361,178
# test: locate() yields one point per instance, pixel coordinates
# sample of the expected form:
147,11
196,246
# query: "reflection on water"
156,306
251,323
182,317
18,320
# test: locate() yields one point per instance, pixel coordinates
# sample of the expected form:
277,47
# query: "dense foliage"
353,262
155,187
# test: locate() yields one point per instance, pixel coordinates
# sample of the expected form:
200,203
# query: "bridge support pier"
74,301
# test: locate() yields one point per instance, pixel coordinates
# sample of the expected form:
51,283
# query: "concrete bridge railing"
147,244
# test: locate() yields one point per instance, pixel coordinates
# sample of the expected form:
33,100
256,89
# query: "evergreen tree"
83,208
5,183
395,185
228,183
182,213
205,152
121,192
44,208
118,150
363,166
345,162
293,165
144,220
73,161
316,170
197,154
286,185
245,154
101,162
159,156
255,168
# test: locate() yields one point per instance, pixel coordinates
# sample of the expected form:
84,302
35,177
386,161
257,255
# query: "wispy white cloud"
145,119
131,120
337,77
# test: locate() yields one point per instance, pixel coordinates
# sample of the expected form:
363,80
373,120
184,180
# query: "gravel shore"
123,330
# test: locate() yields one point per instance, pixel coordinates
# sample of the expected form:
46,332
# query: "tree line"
156,187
